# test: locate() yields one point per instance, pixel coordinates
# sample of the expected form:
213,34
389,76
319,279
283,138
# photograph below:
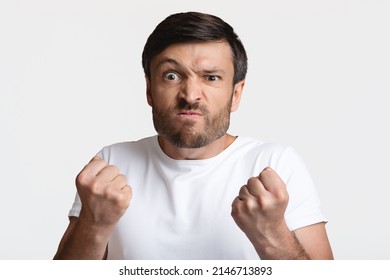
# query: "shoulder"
144,142
272,150
282,158
132,149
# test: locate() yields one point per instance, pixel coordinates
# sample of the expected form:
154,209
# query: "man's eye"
212,78
172,76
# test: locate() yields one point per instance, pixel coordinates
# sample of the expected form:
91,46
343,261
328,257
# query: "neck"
205,152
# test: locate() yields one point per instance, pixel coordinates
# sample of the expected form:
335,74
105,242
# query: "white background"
71,82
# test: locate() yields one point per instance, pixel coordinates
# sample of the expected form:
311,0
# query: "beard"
187,136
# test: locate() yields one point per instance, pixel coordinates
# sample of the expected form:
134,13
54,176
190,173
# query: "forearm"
283,246
83,242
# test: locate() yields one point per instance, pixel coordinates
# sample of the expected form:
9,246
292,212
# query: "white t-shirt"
181,209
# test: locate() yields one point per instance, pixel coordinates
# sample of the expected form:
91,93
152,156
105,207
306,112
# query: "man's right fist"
104,193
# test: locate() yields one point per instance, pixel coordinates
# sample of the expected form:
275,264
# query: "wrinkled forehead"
211,56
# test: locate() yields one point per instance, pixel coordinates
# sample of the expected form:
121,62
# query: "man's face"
192,94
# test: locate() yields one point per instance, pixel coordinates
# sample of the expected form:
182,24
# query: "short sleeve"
76,207
304,206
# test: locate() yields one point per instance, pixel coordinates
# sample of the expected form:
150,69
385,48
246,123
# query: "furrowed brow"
212,71
167,60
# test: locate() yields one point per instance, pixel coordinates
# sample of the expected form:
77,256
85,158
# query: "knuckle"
94,187
236,212
82,178
117,198
122,179
236,206
266,173
122,201
261,202
251,205
87,185
252,180
126,202
113,169
109,194
284,197
263,176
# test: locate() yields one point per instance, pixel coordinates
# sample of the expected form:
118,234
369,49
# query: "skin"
191,89
105,196
194,73
259,211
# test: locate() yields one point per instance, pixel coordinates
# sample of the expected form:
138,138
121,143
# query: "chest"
182,215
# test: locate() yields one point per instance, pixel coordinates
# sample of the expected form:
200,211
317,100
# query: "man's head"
195,27
195,68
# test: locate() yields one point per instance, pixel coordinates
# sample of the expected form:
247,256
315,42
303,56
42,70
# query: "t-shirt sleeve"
76,207
304,207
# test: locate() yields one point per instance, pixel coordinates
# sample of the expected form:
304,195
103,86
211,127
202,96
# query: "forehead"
196,55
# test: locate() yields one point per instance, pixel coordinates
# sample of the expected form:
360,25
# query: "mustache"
184,105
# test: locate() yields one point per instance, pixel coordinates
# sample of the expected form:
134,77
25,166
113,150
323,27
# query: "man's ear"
237,93
148,91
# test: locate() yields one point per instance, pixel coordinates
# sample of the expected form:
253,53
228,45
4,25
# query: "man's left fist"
260,206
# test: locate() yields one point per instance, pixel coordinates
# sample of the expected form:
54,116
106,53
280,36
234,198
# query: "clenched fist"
104,193
260,206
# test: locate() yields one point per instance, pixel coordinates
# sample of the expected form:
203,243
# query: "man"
194,191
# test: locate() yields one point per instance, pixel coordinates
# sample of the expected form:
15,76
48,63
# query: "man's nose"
191,90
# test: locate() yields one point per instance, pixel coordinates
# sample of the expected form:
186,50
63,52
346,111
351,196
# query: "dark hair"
194,27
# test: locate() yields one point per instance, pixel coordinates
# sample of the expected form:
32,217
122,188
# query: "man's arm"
314,240
259,212
105,196
307,243
78,243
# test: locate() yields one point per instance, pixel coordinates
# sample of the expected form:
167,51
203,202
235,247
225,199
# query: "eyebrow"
214,70
165,60
168,60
